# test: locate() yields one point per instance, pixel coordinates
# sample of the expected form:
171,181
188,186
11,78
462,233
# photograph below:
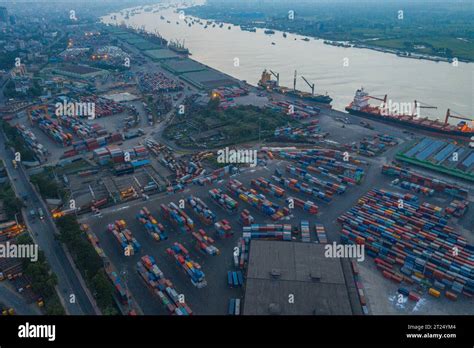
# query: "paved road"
10,298
43,233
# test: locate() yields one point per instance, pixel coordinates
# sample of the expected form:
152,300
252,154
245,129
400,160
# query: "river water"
335,70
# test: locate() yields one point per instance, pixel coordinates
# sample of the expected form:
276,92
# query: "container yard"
439,186
308,133
41,152
124,237
180,220
157,82
264,186
205,243
224,229
189,267
205,215
189,215
411,243
161,286
258,201
236,218
153,227
223,200
304,229
267,231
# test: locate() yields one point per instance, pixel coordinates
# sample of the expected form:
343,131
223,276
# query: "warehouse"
183,66
161,54
79,71
208,79
292,278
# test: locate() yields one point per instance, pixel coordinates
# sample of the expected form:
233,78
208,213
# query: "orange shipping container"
433,292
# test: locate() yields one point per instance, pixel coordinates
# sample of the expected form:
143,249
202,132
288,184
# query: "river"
335,70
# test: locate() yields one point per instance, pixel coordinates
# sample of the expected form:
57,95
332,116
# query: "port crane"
294,82
309,84
377,98
277,76
425,106
459,117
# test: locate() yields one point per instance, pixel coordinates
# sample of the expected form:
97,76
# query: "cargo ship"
360,107
268,83
178,47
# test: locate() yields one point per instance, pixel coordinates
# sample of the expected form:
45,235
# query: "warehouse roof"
159,54
279,272
209,79
79,69
183,66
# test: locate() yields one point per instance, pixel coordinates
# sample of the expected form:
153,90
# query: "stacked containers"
331,188
417,178
215,175
121,290
124,236
206,216
177,217
331,163
297,186
223,229
223,200
267,231
242,255
205,243
191,268
416,188
161,286
258,201
457,208
308,206
116,153
321,233
235,279
413,237
266,187
305,237
156,230
245,218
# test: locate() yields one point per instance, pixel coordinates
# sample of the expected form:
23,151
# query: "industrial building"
161,54
79,71
208,79
293,278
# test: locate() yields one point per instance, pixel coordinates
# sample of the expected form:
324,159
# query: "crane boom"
384,98
309,84
448,116
294,82
277,76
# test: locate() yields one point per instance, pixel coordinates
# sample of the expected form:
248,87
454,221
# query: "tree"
213,103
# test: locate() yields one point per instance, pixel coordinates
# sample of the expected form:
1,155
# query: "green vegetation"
43,281
433,27
209,127
47,184
88,262
34,91
16,141
7,59
11,203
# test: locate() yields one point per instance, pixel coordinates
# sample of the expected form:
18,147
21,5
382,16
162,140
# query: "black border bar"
141,330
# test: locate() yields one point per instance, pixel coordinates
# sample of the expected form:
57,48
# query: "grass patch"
210,128
89,263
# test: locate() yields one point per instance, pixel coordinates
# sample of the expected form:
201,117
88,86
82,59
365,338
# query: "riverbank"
335,70
438,41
